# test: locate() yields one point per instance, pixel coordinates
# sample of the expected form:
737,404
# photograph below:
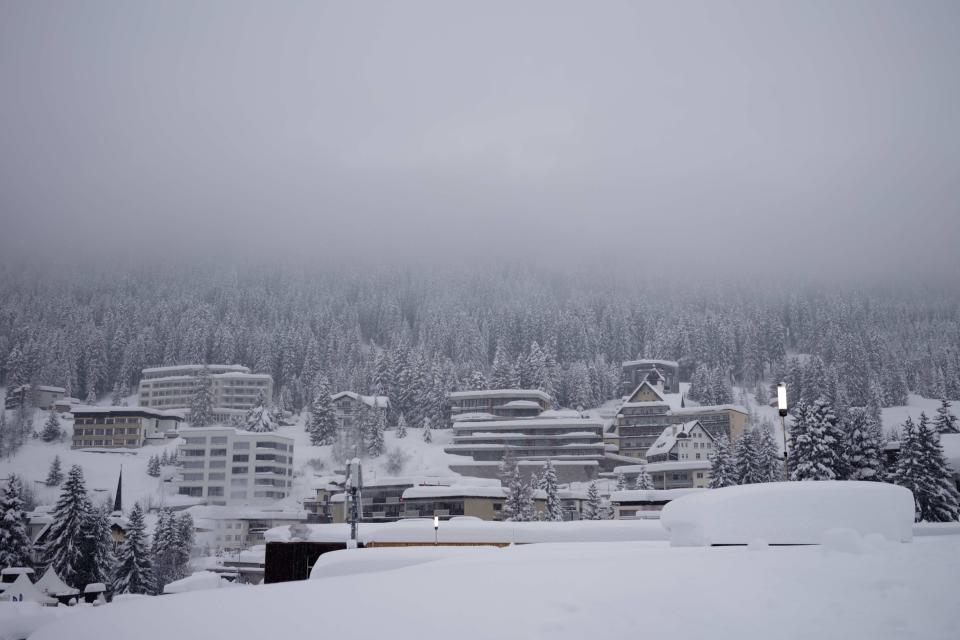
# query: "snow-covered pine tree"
549,485
593,509
115,397
723,467
258,419
477,381
643,480
15,545
201,401
164,460
745,453
939,501
98,543
945,422
134,572
51,428
815,443
864,445
518,504
65,548
502,374
769,464
186,539
153,466
427,431
401,427
378,425
164,552
323,420
55,474
621,481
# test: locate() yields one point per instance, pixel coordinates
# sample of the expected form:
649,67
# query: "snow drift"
789,513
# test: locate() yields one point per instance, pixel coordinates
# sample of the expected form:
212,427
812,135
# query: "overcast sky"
810,136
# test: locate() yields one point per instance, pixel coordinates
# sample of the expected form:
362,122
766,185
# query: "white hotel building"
228,467
234,388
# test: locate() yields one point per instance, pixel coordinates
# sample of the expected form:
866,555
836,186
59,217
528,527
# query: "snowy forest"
414,335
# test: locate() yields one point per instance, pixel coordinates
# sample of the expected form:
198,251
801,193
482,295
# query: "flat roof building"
498,403
121,427
233,387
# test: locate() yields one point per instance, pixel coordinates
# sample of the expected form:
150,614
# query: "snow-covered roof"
380,402
454,491
668,438
500,393
95,587
677,465
39,387
710,408
24,590
474,416
665,363
521,404
16,571
51,584
524,424
156,413
629,496
559,413
213,512
196,367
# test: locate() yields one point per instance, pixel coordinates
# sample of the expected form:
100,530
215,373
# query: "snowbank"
352,561
789,513
199,581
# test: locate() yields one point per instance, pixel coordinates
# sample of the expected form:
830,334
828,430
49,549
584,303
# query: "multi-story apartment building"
227,467
575,443
39,396
497,403
637,371
687,441
233,387
121,427
235,528
724,419
641,419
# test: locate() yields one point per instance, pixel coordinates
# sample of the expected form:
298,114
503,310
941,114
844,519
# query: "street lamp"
436,530
782,408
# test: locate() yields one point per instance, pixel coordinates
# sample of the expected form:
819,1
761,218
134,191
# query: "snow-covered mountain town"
516,320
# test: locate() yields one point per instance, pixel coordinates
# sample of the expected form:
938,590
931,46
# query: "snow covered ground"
557,591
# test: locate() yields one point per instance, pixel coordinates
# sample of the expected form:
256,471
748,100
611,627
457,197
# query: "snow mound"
842,540
199,581
352,561
789,513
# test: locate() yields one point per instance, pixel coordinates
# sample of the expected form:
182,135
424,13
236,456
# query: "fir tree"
643,480
401,427
745,452
593,510
258,419
98,544
164,552
15,545
164,460
477,381
945,422
518,504
939,501
549,485
621,481
55,475
153,466
864,445
427,432
323,421
186,540
815,443
65,546
723,468
378,425
134,573
51,428
201,401
769,464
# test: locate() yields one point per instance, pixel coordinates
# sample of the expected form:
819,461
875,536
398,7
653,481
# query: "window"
218,453
215,492
192,453
239,470
216,476
241,495
218,440
241,446
193,477
700,474
196,492
238,482
196,440
192,464
241,458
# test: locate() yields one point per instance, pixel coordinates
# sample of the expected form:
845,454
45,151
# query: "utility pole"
782,408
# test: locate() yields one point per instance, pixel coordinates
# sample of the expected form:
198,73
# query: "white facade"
233,386
239,527
121,427
229,467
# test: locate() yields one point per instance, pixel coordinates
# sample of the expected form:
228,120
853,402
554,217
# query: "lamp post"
782,408
436,530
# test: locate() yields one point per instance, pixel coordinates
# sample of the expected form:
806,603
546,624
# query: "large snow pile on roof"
789,513
199,581
571,592
352,561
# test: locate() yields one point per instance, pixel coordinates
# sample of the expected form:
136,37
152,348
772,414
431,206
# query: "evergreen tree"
815,443
185,541
98,546
621,481
165,551
549,485
65,546
153,466
593,510
323,420
201,401
945,422
258,419
401,427
15,545
427,432
164,460
643,481
518,504
134,573
378,425
723,467
939,501
477,381
745,452
864,445
769,465
55,475
51,428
